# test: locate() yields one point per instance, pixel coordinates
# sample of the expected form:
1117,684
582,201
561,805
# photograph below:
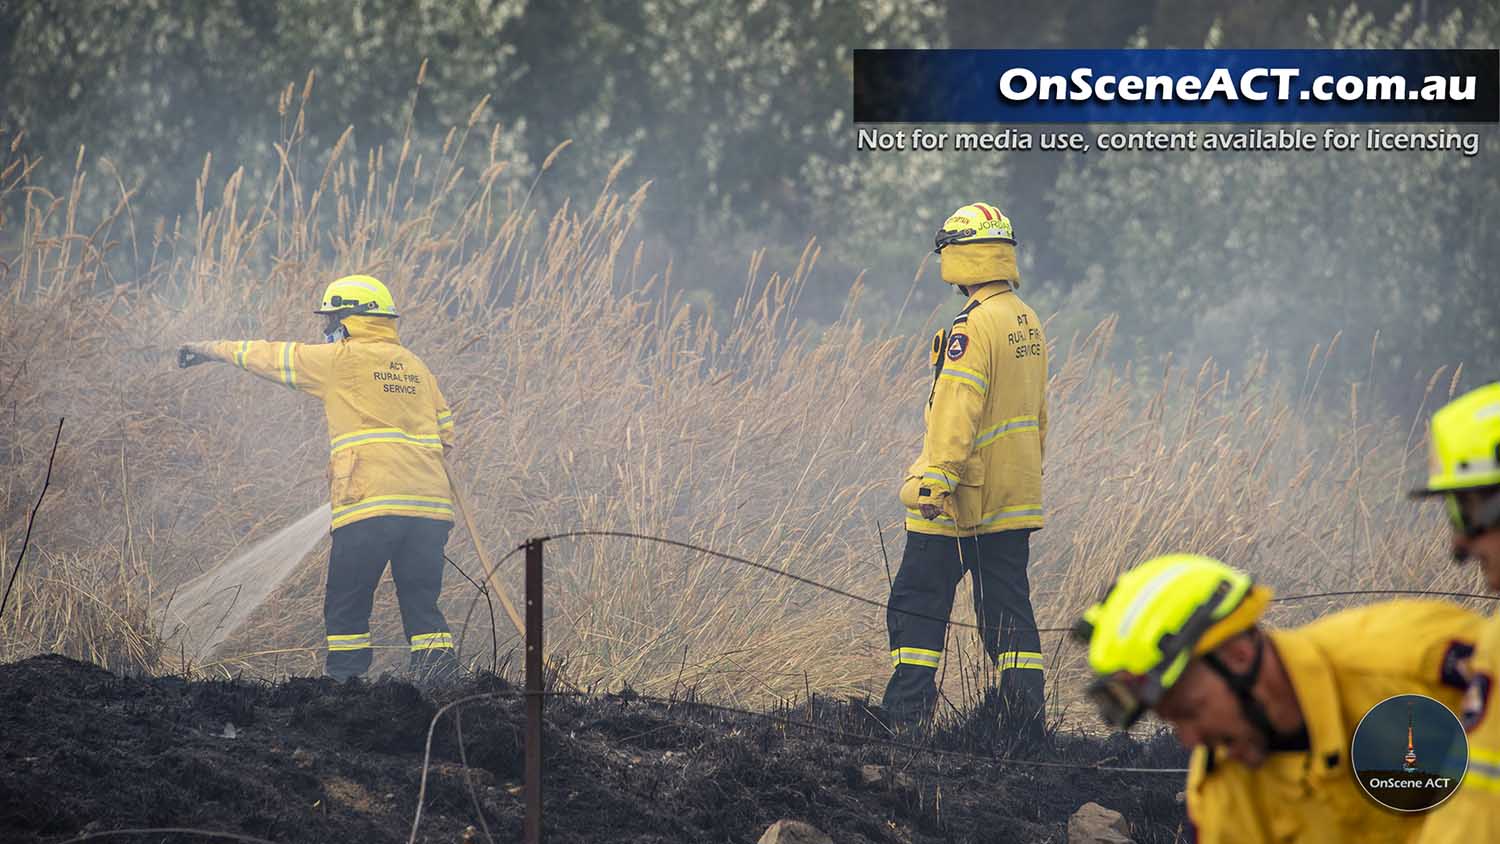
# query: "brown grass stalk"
589,397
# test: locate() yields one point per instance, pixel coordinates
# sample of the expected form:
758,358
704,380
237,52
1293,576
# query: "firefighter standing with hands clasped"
388,426
975,494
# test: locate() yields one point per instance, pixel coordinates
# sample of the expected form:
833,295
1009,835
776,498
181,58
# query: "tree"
1232,255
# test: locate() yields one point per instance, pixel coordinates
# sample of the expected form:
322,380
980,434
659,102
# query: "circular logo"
1409,753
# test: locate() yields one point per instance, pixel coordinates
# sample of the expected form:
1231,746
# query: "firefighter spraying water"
388,427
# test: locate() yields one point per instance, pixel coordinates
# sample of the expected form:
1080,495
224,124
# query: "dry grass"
589,393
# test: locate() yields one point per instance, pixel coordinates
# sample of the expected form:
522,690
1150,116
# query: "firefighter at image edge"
1465,471
975,494
388,427
1269,714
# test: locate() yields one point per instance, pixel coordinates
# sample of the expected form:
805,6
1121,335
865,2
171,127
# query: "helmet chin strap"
333,328
1255,713
1486,520
1488,517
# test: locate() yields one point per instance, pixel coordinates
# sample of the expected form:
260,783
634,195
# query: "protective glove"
192,354
925,496
933,505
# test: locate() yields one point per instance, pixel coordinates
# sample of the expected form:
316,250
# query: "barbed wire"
25,543
494,631
1349,592
753,564
587,532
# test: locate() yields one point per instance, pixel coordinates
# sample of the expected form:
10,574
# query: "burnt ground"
86,751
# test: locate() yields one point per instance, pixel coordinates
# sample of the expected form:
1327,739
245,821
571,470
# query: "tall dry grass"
590,393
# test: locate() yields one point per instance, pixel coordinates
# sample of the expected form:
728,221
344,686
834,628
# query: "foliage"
589,393
738,115
1238,255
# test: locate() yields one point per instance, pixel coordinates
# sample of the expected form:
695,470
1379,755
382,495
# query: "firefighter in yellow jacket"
1269,714
1465,471
975,494
388,426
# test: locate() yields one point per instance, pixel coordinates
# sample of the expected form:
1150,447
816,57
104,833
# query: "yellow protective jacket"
388,422
1473,812
1340,667
986,417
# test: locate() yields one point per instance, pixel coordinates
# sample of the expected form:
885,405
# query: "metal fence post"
532,831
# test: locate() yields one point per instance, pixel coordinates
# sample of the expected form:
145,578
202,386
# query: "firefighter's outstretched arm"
296,365
958,400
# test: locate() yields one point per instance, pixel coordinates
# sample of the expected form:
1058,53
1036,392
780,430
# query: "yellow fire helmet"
1465,454
1155,618
360,295
977,244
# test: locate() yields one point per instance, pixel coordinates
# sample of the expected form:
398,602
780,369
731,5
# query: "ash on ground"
310,760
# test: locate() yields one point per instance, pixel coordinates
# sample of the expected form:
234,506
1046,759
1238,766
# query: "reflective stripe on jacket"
986,420
387,420
1340,667
1473,812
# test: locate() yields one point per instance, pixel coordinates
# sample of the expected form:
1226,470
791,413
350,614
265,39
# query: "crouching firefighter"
388,426
1465,473
1269,714
975,494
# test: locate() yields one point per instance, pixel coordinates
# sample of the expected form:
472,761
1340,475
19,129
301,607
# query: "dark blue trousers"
922,598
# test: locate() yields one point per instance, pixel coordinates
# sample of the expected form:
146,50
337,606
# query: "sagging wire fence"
862,599
31,520
535,690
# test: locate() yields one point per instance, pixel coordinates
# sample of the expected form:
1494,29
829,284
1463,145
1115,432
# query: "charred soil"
86,751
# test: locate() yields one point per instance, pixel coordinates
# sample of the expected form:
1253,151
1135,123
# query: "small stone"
1094,824
881,776
303,758
793,832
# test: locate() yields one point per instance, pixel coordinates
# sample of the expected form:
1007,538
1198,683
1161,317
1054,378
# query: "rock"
881,776
1094,824
793,832
303,758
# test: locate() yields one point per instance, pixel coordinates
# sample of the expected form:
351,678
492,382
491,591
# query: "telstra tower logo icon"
1398,779
1409,762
